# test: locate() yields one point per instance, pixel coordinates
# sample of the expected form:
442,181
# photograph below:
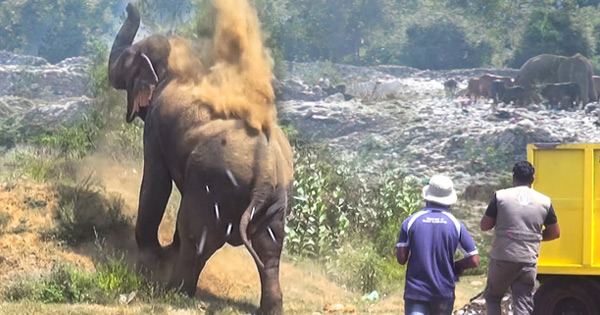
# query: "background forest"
426,34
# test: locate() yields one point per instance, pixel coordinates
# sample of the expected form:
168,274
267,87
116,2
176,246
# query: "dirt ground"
229,277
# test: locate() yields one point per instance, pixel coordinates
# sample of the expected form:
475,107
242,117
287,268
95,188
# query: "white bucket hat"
440,190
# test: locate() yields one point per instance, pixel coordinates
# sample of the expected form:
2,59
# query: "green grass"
67,283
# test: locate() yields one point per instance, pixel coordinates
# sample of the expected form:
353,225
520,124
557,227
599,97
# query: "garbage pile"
477,306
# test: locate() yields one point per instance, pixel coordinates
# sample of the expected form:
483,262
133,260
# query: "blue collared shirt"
432,236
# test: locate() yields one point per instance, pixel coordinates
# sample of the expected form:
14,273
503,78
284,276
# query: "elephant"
555,93
596,80
548,68
234,177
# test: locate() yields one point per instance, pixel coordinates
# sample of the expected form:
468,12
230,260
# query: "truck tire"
573,296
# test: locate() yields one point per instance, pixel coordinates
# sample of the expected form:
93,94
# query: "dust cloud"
237,83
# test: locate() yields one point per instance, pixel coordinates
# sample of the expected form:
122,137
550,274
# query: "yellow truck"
569,268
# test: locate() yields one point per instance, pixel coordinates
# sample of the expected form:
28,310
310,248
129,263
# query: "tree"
551,32
443,46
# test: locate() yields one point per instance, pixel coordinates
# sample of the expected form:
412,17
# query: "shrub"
317,220
551,32
84,213
359,266
443,45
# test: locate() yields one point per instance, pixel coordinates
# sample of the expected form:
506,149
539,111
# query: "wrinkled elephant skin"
233,179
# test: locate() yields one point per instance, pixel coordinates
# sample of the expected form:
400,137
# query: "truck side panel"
596,208
560,175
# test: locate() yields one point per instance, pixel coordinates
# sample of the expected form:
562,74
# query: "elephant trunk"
122,41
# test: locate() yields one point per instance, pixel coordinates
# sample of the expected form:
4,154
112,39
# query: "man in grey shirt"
518,215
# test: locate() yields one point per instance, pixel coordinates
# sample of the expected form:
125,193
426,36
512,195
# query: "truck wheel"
567,296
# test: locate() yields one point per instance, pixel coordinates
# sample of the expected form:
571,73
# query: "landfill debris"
371,297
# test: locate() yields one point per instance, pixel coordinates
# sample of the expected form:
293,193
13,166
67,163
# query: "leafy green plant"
318,221
359,266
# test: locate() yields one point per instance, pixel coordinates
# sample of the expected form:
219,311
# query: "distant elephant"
596,80
548,68
485,83
513,94
556,93
233,178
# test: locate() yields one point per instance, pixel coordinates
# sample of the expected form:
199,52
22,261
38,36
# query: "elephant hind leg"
267,240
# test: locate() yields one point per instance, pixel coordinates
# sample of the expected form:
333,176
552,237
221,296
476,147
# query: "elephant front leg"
154,195
268,243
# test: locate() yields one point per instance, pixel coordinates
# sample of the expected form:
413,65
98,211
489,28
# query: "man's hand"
551,232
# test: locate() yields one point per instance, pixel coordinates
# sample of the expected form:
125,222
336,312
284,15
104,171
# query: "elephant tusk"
217,214
272,234
231,178
202,241
252,214
229,227
207,189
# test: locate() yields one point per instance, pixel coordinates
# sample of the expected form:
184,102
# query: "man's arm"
467,246
551,232
487,223
489,218
402,255
466,263
403,245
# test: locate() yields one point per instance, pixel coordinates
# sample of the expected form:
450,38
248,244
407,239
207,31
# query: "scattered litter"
477,306
127,298
371,297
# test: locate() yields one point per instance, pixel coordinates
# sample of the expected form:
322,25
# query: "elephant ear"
145,82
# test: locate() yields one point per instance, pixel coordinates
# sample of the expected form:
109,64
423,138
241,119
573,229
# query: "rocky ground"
401,118
36,96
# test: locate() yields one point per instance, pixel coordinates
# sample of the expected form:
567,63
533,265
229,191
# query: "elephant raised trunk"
123,40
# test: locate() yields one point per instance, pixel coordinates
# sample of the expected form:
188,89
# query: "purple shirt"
432,236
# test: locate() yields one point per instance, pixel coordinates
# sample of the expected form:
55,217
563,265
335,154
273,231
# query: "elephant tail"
244,222
260,212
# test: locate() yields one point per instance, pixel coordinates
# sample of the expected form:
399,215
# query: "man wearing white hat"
428,240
